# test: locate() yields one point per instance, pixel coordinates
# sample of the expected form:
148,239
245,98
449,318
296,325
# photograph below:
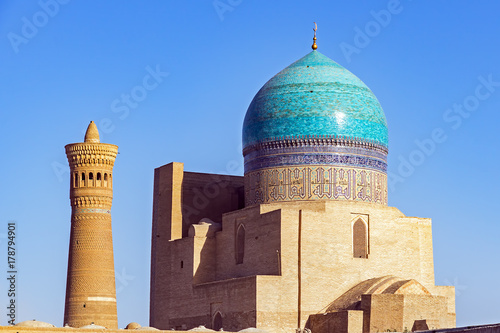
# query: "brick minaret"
90,288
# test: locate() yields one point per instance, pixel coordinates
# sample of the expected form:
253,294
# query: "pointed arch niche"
360,236
240,244
217,321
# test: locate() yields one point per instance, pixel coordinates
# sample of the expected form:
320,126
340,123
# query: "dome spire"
314,46
92,135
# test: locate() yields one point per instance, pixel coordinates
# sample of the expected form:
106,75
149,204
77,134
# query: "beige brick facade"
90,288
364,267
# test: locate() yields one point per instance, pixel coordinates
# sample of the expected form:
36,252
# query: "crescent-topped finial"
314,46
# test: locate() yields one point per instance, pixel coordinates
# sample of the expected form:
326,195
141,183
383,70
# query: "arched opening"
105,180
217,322
75,179
83,178
240,244
359,239
98,179
91,179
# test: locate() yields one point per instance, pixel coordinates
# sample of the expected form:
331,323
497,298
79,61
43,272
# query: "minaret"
90,288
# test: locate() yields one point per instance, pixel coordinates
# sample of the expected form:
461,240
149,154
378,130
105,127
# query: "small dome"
147,328
206,220
201,328
132,326
253,330
314,97
33,323
94,326
92,134
351,299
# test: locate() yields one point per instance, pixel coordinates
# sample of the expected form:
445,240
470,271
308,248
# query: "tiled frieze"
316,169
315,182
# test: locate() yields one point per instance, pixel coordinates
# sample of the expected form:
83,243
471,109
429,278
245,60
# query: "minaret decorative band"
90,289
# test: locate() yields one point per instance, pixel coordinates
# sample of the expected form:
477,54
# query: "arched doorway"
217,322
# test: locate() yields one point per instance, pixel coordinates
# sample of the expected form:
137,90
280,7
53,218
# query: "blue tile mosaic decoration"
315,152
315,183
314,97
315,132
316,159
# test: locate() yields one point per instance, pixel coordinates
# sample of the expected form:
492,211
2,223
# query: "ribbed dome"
314,97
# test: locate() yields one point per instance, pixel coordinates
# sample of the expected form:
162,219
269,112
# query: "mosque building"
305,239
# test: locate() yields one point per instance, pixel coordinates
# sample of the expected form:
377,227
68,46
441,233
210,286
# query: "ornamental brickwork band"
315,183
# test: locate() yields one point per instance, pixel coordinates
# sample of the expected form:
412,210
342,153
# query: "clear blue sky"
434,66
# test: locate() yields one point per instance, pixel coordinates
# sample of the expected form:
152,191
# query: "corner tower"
315,132
90,288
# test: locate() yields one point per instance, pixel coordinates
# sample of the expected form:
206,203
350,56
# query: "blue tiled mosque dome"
314,98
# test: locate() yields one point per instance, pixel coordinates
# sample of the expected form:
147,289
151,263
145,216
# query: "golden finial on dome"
92,135
314,46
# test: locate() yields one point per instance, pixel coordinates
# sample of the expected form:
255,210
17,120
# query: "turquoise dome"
312,98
